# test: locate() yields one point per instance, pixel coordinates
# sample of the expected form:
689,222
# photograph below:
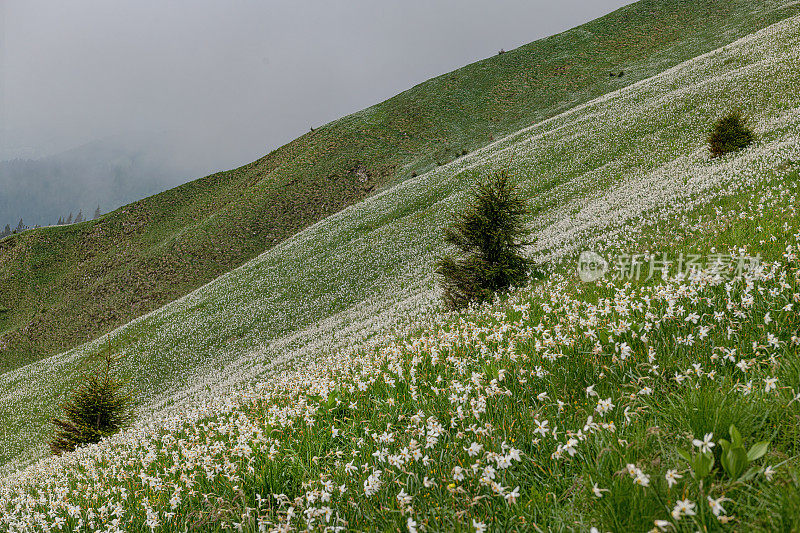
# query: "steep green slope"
622,172
62,286
564,406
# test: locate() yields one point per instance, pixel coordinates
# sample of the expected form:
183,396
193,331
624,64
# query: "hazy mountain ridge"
108,173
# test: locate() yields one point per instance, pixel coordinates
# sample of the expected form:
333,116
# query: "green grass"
342,279
296,455
241,384
64,286
353,275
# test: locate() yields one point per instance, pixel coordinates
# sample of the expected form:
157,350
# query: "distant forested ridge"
62,221
109,173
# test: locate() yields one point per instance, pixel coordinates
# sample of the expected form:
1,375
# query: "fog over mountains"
107,173
232,80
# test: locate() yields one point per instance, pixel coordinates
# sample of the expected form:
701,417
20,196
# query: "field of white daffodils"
319,386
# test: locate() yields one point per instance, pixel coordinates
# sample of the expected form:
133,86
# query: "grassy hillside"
562,407
60,287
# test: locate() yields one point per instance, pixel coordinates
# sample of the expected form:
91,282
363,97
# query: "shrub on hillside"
488,233
98,408
730,133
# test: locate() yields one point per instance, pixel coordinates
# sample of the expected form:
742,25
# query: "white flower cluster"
446,420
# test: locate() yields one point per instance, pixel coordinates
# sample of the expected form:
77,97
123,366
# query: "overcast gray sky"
234,79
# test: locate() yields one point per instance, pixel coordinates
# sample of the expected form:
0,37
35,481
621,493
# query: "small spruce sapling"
98,408
729,134
489,234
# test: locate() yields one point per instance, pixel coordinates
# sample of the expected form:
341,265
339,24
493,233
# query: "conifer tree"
489,234
60,221
97,213
69,220
98,408
6,231
79,218
20,227
729,134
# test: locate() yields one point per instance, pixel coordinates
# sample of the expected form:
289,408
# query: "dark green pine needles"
489,233
99,407
729,134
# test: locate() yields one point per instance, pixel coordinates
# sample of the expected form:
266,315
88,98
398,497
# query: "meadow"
62,287
320,386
